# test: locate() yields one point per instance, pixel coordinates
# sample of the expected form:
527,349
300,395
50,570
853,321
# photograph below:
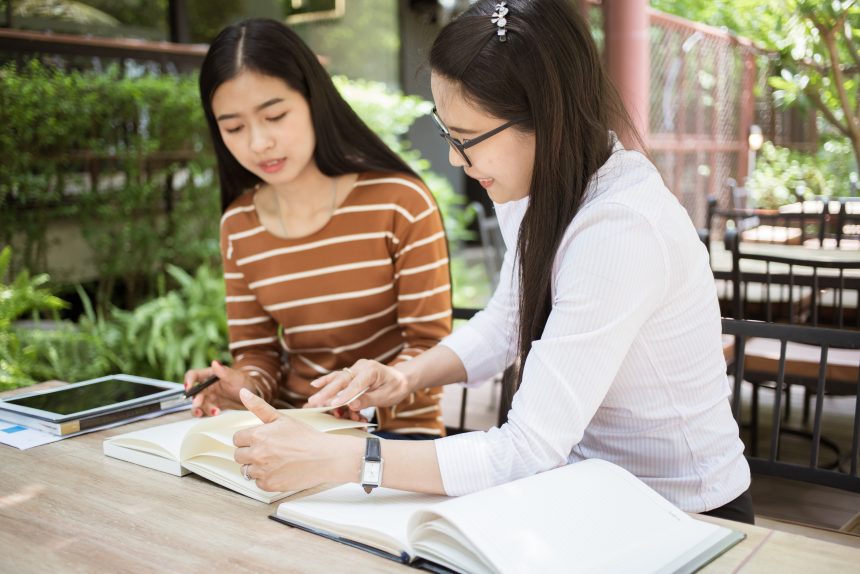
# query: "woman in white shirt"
606,299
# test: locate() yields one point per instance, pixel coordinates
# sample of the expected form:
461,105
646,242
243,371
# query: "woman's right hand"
379,385
224,394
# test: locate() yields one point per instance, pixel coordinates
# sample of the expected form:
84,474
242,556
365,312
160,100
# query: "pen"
210,380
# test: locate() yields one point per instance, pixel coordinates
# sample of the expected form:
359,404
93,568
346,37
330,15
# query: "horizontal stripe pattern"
373,283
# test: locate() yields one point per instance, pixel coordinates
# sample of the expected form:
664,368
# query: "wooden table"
721,259
66,507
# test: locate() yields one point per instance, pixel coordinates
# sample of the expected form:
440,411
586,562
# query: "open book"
591,516
205,446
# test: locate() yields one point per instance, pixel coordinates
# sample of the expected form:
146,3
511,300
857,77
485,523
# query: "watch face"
370,472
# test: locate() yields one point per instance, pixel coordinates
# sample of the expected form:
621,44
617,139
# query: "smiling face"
503,163
267,127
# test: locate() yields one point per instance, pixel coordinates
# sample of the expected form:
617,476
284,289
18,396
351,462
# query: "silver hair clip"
500,21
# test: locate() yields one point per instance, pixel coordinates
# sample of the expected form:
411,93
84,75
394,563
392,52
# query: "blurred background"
109,204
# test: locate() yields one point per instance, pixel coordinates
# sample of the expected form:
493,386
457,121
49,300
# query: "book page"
226,472
162,440
378,519
587,516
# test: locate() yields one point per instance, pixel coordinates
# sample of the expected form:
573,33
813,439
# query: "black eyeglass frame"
461,147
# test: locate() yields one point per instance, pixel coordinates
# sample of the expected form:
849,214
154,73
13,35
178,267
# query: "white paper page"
24,438
165,438
590,516
347,508
227,473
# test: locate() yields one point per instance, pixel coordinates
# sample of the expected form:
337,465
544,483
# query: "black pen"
210,380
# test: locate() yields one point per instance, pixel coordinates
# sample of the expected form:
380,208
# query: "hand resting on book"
283,454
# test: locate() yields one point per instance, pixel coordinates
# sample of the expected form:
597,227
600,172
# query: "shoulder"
628,181
239,215
403,189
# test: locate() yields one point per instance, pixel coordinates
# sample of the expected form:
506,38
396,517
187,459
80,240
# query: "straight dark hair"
344,143
549,71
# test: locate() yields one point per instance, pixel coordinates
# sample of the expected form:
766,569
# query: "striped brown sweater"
373,283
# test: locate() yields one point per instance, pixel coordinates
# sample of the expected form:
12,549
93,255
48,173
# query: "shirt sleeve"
421,277
486,345
252,331
609,278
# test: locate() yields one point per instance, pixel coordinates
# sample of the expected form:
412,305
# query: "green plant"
780,173
24,295
181,328
122,157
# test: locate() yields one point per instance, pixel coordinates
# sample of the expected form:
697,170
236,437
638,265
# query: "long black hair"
344,143
549,71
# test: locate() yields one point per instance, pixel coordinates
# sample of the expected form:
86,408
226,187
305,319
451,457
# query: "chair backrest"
848,220
492,244
793,284
824,342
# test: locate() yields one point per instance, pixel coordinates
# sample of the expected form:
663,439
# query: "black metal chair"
791,289
505,398
842,475
848,221
492,244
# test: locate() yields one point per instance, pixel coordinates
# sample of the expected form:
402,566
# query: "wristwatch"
371,465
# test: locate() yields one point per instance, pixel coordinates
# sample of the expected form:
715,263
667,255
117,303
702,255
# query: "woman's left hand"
285,455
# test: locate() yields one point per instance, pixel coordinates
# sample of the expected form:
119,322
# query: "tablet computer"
79,406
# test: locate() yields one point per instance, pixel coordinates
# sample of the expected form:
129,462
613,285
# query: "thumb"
263,410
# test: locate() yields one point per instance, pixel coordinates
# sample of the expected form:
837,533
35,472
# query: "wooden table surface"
65,507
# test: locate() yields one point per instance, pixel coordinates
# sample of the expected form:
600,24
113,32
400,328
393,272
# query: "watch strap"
373,455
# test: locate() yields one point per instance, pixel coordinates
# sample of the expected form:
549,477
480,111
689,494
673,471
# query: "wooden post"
627,53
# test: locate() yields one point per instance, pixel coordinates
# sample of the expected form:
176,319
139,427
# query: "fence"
707,87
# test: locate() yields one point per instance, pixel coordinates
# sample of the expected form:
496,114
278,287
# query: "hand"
284,454
222,395
384,386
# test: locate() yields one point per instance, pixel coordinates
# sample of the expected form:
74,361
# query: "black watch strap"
371,465
373,452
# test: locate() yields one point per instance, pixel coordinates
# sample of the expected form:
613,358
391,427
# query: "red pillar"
627,54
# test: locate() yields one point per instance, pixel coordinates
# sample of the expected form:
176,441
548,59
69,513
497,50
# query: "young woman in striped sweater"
333,249
605,300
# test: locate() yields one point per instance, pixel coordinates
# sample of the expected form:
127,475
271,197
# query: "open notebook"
205,446
591,516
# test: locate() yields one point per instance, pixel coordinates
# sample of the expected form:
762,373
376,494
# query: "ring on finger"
245,474
348,371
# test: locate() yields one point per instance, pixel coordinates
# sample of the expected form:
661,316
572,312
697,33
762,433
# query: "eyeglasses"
462,146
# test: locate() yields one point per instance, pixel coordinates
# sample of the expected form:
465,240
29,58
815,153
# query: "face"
502,163
266,125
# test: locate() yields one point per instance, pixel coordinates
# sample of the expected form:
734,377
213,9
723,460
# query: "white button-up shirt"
630,366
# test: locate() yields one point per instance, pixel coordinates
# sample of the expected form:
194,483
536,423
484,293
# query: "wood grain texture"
67,507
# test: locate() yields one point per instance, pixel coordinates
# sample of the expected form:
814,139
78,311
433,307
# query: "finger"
324,380
353,396
322,398
242,438
195,375
263,410
242,455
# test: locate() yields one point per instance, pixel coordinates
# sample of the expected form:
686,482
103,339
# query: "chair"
505,399
492,244
758,225
848,222
826,341
786,287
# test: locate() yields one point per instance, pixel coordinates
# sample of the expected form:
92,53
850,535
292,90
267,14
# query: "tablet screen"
65,401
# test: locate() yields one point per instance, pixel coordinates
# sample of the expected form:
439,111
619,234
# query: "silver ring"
348,371
245,474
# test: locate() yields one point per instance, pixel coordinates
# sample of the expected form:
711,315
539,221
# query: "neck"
302,194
